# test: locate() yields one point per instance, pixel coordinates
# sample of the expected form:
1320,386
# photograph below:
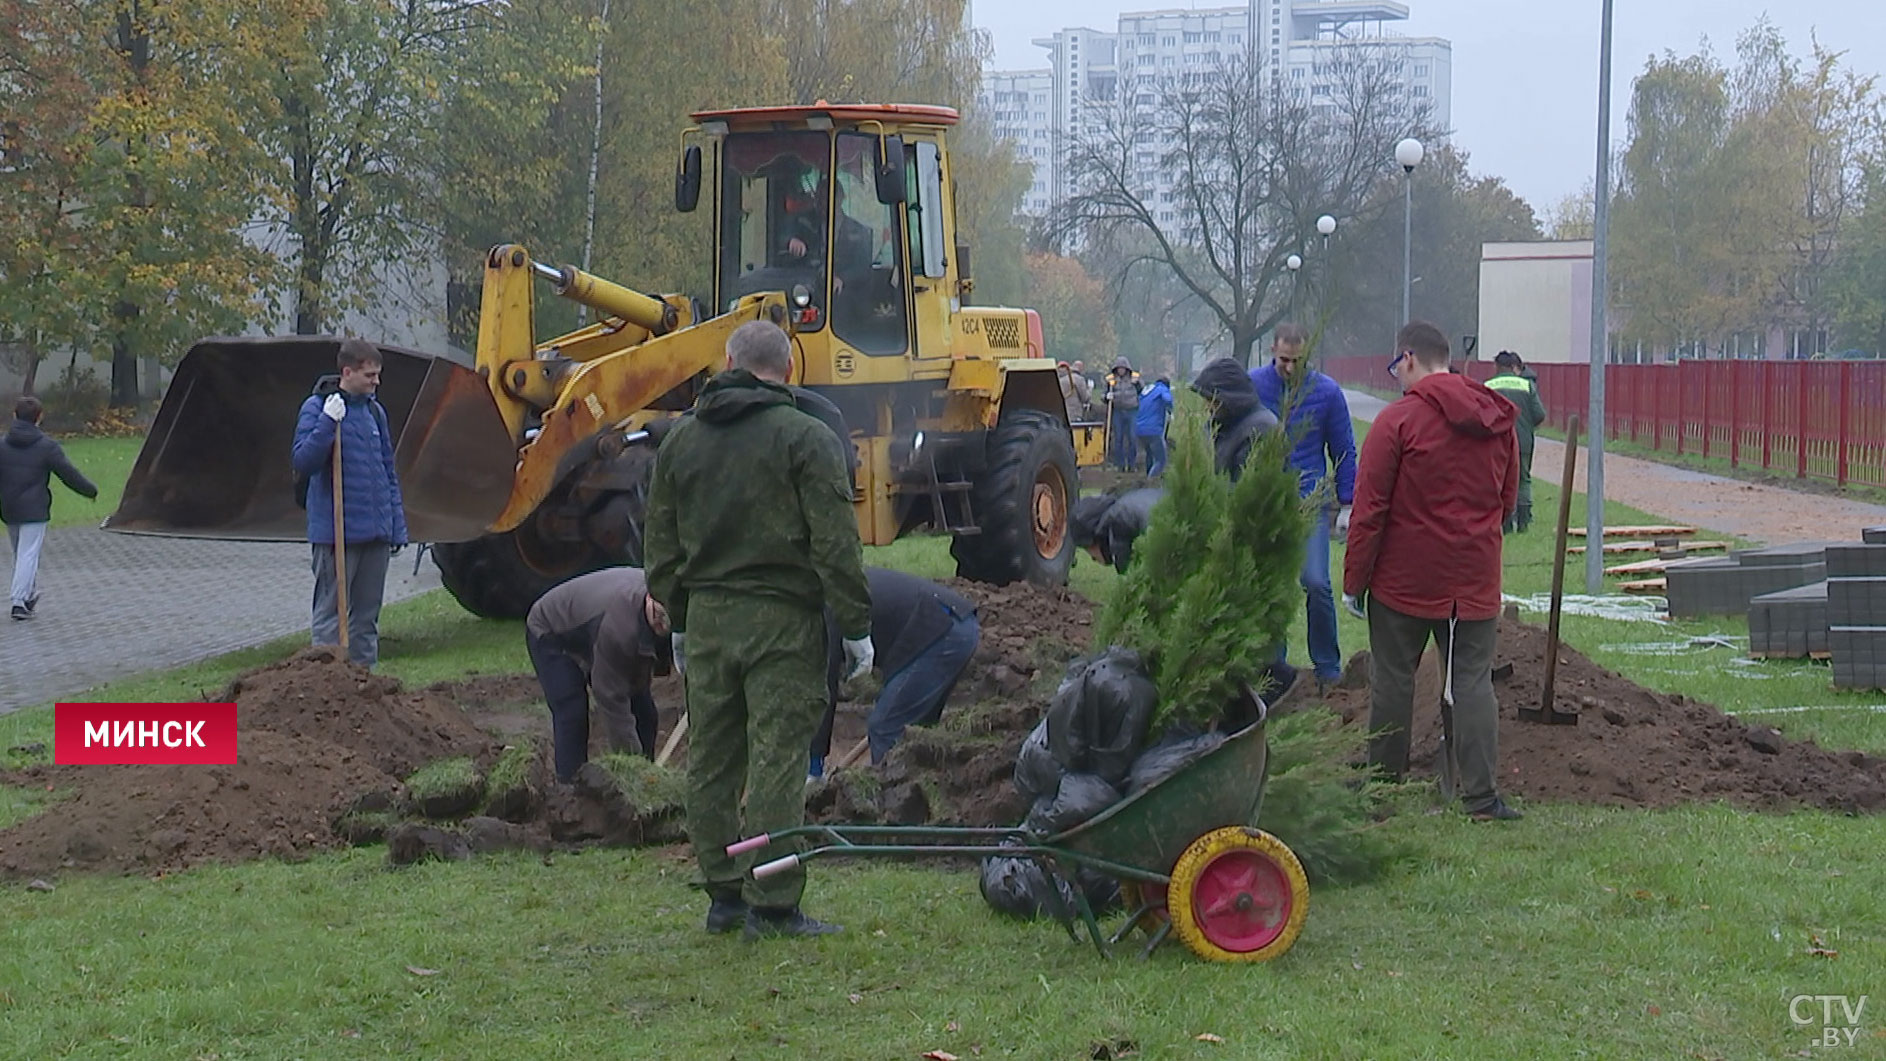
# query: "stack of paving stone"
1789,624
1725,585
1856,611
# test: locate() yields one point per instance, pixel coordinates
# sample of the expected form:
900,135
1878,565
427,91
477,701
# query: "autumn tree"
1250,171
134,176
1075,317
1455,212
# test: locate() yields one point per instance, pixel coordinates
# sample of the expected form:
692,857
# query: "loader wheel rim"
1049,508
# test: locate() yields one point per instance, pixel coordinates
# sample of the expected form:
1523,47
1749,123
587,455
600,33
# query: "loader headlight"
801,296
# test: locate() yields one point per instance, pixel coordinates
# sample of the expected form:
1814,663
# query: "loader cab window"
775,210
869,304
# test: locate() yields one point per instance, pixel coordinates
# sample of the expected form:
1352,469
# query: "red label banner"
144,734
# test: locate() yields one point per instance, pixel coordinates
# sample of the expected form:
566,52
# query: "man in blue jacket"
1316,414
374,513
1155,407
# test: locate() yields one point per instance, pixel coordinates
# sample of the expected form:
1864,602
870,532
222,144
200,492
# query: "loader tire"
489,577
1021,499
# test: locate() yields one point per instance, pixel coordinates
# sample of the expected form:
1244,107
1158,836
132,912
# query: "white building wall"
1535,299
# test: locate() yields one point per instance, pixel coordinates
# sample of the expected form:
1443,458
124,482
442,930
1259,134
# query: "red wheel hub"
1242,901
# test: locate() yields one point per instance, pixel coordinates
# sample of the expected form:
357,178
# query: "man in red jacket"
1438,473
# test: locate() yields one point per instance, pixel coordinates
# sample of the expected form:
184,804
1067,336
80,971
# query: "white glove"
859,655
335,407
1342,523
1353,603
679,642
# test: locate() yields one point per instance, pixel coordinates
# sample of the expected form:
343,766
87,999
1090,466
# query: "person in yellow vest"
1523,392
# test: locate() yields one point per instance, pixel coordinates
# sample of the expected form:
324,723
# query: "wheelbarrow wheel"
1238,895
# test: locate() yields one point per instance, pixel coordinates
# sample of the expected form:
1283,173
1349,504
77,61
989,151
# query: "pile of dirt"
1633,747
316,734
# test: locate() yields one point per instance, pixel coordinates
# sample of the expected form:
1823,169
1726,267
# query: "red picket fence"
1808,419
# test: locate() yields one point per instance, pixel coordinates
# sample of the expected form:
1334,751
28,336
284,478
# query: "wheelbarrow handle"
751,843
778,865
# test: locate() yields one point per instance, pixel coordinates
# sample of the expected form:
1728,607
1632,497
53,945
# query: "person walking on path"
750,534
1155,408
600,633
1439,471
1122,410
1511,383
28,461
374,513
1322,437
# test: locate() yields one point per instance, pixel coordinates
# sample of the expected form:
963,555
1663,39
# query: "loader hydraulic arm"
594,379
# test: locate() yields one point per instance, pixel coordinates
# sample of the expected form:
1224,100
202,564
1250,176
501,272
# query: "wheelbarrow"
1184,849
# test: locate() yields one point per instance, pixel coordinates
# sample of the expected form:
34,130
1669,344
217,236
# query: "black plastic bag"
1021,887
1165,758
1036,772
1098,721
1080,797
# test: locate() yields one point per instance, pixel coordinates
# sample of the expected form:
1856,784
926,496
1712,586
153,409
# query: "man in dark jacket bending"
1106,526
28,461
599,633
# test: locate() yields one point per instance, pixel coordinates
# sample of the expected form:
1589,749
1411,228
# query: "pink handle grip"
751,843
778,865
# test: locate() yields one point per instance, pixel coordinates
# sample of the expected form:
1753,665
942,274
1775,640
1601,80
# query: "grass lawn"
1579,932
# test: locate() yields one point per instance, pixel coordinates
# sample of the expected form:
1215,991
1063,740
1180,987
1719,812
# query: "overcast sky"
1525,71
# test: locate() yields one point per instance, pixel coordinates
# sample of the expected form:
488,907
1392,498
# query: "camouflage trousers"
756,691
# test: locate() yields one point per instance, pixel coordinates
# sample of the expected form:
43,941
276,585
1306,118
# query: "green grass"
106,462
1581,932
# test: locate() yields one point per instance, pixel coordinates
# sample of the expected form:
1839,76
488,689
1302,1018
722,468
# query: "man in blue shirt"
1314,411
1155,406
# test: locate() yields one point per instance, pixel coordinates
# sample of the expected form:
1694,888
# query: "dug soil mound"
1633,747
315,735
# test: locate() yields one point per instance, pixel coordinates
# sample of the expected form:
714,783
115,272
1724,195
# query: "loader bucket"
216,461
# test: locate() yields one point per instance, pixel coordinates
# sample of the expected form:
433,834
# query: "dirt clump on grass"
315,736
1634,747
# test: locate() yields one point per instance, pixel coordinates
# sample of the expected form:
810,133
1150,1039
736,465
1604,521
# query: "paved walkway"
112,605
1756,511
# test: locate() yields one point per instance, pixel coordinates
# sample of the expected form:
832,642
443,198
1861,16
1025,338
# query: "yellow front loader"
530,464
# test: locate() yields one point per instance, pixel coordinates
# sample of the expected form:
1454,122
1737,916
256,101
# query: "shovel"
340,544
1547,712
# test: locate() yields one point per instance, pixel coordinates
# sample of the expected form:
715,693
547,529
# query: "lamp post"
1326,227
1600,329
1294,263
1408,155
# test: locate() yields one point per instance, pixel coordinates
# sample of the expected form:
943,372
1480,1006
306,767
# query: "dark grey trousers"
366,588
1396,642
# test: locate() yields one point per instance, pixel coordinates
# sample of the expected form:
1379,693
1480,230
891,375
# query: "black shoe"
31,603
21,611
1496,811
725,914
768,924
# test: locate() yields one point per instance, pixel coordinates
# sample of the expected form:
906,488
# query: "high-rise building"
1295,41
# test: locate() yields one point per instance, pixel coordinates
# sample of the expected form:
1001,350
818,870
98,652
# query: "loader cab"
830,206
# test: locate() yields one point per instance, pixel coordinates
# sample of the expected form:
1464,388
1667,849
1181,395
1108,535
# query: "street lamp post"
1326,227
1600,328
1294,263
1408,155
